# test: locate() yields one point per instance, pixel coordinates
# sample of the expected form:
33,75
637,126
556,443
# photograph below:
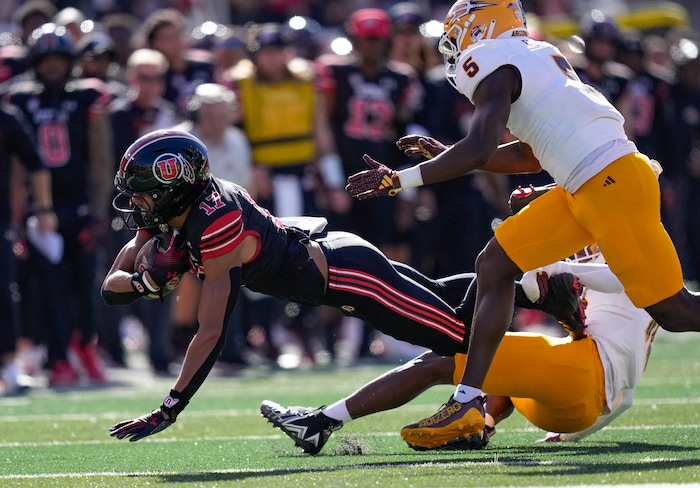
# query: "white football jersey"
573,130
624,335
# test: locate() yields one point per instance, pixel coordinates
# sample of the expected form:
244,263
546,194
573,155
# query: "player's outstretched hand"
379,181
551,437
138,428
425,145
521,197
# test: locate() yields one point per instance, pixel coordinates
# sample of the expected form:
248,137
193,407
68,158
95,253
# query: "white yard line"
108,440
79,417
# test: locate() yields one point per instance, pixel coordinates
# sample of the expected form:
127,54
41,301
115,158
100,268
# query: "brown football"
164,262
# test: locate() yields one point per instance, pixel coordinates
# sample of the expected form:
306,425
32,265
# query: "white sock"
464,393
338,411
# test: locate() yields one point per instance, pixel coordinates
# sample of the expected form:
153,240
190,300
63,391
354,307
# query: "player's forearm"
596,276
458,160
203,345
118,279
513,158
118,282
217,300
43,201
41,189
117,289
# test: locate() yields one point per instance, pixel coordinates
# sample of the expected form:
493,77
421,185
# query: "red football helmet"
369,22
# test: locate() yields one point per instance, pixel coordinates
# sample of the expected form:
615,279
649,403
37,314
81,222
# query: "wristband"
141,285
43,210
410,177
173,404
331,169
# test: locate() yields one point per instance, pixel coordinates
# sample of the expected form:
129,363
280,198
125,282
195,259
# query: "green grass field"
52,438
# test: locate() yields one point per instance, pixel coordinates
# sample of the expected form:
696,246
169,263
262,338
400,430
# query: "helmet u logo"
166,169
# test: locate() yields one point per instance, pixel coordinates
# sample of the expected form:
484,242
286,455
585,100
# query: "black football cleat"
308,427
560,296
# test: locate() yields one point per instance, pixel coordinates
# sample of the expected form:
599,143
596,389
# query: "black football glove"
380,181
141,427
142,285
163,269
151,423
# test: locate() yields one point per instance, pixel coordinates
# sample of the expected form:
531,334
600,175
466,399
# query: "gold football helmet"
468,22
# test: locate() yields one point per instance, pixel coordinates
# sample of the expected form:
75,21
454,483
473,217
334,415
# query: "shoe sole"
474,442
470,423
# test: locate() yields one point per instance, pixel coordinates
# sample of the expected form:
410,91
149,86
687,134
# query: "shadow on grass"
608,458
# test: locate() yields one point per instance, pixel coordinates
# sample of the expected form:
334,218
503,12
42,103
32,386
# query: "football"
164,262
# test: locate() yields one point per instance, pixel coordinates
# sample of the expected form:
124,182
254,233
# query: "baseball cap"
270,34
407,14
369,22
96,43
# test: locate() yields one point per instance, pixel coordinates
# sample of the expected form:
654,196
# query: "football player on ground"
607,192
570,387
164,181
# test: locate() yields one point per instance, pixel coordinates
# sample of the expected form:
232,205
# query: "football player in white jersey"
571,388
607,192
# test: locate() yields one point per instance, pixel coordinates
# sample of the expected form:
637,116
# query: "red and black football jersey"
219,221
16,139
368,115
60,120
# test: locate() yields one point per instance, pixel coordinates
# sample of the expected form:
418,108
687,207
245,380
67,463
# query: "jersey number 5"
470,67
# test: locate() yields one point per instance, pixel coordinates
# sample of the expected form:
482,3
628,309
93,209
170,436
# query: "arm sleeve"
595,276
188,392
111,298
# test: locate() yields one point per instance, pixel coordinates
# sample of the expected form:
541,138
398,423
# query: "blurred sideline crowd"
287,96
